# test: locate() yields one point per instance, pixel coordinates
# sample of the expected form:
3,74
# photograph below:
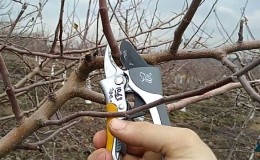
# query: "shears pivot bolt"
119,80
120,106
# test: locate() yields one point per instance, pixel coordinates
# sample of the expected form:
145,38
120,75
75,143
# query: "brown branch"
107,28
118,22
215,53
89,63
188,54
27,88
242,79
183,25
202,23
47,109
86,27
26,146
141,108
90,95
58,27
196,92
5,74
86,51
240,32
12,116
32,53
61,27
39,143
190,100
102,114
245,45
248,67
241,132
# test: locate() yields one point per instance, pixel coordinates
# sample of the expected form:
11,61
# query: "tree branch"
242,78
5,74
183,25
39,143
31,124
190,100
107,29
126,114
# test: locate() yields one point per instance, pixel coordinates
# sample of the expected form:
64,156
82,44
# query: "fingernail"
101,156
117,124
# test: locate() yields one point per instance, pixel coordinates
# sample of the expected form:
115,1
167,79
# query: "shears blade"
130,58
110,67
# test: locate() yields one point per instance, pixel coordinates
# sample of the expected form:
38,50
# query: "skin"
147,141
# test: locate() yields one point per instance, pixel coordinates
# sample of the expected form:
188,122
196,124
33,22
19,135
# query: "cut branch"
240,32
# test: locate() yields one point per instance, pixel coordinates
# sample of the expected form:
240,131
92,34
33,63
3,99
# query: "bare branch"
61,27
27,88
5,74
47,109
240,32
58,28
107,28
39,143
183,25
242,130
26,146
242,79
190,100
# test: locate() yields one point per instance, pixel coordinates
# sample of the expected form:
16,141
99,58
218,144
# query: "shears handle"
113,144
110,107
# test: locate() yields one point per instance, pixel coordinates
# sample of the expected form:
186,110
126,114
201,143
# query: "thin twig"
190,100
61,27
242,130
54,134
5,74
27,88
58,27
242,79
27,146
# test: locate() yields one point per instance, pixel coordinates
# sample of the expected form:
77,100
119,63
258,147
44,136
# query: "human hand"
149,142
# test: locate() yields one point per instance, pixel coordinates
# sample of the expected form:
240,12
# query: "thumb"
161,139
100,154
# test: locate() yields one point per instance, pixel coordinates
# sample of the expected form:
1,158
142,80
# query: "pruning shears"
137,78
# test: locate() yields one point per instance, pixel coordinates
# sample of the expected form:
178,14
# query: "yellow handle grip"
110,107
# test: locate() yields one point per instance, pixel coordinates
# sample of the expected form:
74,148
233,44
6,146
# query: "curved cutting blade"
130,58
111,69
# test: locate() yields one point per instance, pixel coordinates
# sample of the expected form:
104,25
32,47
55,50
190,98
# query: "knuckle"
191,137
190,133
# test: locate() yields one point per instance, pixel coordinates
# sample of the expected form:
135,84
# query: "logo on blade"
146,77
126,58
